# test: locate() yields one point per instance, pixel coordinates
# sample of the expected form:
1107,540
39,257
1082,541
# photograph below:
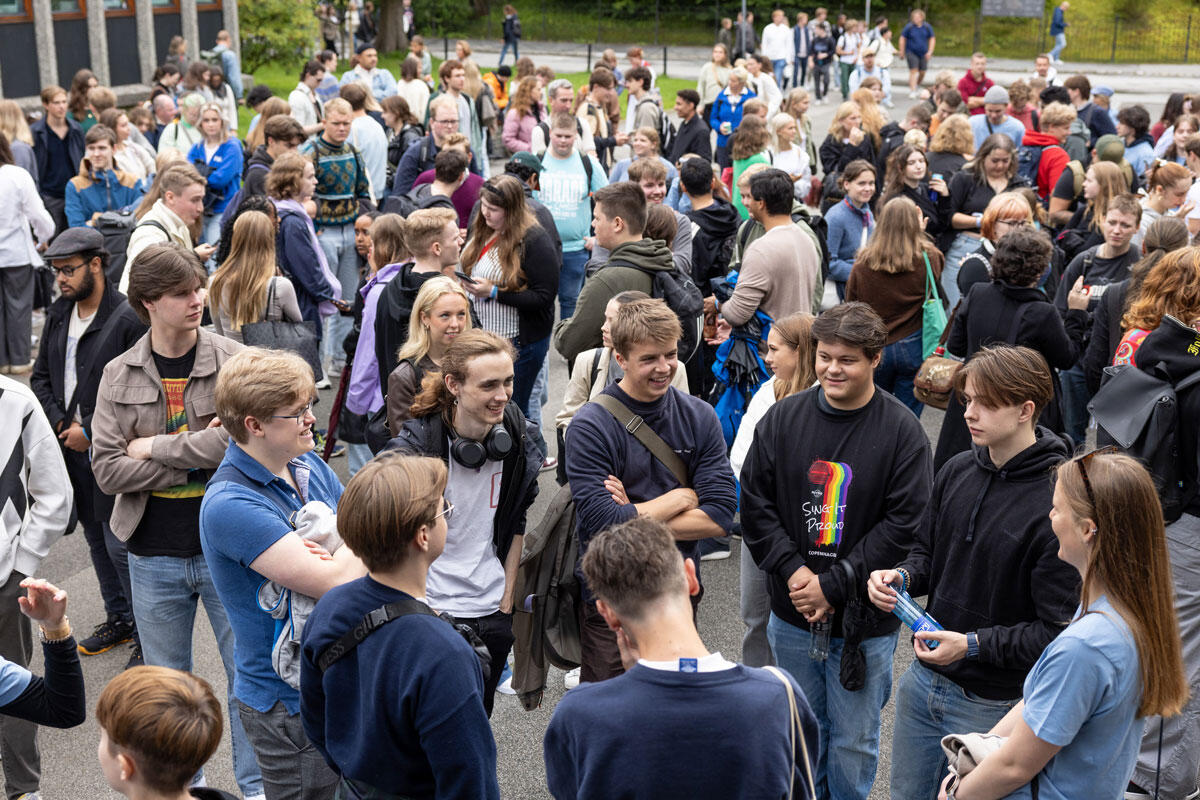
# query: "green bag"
933,314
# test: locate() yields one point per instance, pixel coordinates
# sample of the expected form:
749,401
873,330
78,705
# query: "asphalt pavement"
69,763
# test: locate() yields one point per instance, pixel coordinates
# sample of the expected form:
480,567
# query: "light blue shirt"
620,170
1012,127
565,191
380,80
1083,695
14,680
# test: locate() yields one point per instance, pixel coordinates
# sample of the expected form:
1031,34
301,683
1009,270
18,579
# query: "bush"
275,31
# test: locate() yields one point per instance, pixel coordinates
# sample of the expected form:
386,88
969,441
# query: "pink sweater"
518,131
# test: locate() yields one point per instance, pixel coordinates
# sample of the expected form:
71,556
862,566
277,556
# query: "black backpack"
117,227
683,297
1138,411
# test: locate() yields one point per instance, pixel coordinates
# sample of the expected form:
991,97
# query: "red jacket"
1054,160
968,87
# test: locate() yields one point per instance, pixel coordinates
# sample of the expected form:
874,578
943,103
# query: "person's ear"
876,359
1027,411
693,583
421,539
622,362
610,616
452,385
254,427
128,767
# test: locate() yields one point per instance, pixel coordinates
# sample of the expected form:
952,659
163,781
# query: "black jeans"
496,632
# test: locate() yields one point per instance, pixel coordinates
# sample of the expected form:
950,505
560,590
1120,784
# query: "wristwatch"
66,626
972,646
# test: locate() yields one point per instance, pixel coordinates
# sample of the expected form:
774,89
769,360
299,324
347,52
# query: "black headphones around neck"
473,454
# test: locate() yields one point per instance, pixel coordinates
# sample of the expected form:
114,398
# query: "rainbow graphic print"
835,478
177,422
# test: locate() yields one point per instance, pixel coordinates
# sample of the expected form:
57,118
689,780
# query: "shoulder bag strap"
368,625
931,292
796,731
649,439
270,298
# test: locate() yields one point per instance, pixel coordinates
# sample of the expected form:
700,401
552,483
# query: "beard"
85,289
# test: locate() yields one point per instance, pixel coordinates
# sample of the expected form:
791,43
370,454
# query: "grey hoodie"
582,331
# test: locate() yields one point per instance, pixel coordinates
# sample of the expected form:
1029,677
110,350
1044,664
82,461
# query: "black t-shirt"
170,526
59,169
1098,273
1065,188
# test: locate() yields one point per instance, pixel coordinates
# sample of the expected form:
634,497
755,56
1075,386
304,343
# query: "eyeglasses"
1082,462
68,271
307,410
447,510
445,121
1014,223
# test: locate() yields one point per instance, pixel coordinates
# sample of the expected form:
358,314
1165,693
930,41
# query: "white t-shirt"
467,579
1193,197
76,327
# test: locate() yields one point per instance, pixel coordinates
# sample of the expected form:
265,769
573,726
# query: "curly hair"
1171,287
953,136
1021,257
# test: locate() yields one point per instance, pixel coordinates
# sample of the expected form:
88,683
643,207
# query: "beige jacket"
581,388
130,404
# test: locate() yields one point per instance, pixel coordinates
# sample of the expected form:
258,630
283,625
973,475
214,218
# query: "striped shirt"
493,315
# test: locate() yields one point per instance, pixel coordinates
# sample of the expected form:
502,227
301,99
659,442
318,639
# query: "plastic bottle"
818,647
914,616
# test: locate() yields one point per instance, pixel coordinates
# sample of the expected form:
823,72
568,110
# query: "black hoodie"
988,560
718,224
1174,348
255,176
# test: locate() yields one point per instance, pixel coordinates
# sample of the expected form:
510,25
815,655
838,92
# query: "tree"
431,18
281,31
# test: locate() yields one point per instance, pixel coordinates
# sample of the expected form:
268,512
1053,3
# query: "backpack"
117,227
662,124
587,166
516,27
1138,411
683,297
238,196
1029,158
546,622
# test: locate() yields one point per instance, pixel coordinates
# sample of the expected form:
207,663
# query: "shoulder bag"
934,381
649,439
933,313
796,734
279,334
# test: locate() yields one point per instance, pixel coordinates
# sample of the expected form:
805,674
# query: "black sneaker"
135,656
106,636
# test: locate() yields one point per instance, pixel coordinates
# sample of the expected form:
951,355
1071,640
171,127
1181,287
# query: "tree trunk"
391,27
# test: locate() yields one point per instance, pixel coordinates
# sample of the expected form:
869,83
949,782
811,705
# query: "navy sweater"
600,446
821,485
644,734
403,711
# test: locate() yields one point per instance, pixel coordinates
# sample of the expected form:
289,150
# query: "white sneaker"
324,383
506,686
571,679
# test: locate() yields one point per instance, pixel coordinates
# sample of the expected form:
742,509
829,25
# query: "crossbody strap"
642,432
797,732
368,625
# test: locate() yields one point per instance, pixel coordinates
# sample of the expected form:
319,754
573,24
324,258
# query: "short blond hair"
257,383
644,321
1058,114
649,168
425,225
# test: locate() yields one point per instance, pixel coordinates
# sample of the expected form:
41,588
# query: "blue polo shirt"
241,517
917,38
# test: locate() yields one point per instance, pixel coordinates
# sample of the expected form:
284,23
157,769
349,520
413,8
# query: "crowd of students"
712,391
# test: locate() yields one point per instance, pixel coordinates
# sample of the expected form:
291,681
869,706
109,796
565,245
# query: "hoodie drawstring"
978,505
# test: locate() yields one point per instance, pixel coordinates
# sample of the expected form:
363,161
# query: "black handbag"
277,334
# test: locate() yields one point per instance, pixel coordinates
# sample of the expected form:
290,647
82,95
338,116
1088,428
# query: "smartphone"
937,176
464,276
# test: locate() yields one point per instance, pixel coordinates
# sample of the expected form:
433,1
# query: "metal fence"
1158,37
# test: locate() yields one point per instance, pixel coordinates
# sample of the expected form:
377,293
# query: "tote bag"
933,313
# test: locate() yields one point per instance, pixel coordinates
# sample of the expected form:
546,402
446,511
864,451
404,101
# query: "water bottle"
914,616
818,647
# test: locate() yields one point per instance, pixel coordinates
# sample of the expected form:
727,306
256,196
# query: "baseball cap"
1103,91
528,160
74,240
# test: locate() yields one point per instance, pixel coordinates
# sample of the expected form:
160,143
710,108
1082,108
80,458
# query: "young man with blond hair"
264,399
156,439
615,478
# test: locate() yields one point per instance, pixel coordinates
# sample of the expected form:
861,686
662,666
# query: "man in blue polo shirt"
264,401
916,46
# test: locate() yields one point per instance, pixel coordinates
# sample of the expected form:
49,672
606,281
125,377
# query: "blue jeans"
962,246
799,72
1060,43
570,280
779,65
338,244
849,750
1075,397
530,358
504,51
357,455
165,592
898,367
928,707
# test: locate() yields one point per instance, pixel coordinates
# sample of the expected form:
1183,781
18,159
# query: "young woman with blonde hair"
790,356
20,139
788,153
1079,726
890,276
219,158
847,139
246,288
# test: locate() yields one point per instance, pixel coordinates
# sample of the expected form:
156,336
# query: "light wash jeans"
338,244
165,594
779,66
1060,44
963,245
849,751
928,707
898,367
